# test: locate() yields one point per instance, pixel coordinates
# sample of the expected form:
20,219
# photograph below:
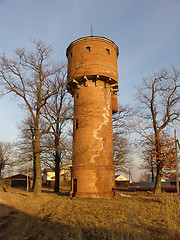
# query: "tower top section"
92,58
92,38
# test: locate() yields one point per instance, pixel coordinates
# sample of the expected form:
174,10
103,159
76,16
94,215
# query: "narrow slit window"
77,125
107,51
88,48
71,54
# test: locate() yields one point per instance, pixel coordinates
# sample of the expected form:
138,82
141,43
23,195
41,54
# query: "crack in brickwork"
106,116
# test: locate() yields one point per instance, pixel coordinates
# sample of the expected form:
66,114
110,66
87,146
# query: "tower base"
95,194
93,181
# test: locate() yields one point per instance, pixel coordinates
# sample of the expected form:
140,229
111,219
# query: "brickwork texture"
93,82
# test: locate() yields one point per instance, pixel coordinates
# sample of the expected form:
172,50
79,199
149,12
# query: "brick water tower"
93,82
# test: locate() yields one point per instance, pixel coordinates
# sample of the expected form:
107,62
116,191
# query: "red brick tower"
93,82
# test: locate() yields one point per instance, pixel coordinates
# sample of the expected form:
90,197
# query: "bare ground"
51,216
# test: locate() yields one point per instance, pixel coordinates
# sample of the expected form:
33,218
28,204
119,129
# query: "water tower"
93,82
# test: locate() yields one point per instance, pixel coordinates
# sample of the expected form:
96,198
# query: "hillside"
51,216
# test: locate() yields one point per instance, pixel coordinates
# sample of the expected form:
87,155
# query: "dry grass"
50,216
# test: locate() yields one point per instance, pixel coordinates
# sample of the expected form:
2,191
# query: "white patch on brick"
106,116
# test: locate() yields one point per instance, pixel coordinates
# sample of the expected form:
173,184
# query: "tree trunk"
38,182
157,188
34,163
57,159
0,170
152,172
34,170
152,169
57,171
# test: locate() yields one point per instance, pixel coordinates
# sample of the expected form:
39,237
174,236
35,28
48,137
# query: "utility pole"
130,176
177,167
27,176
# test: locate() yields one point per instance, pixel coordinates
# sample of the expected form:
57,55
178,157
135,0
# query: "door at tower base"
94,182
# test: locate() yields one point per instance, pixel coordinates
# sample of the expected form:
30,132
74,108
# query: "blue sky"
146,32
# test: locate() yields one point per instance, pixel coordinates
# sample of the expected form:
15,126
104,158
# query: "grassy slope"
50,216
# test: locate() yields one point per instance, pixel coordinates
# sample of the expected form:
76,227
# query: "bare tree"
53,144
148,163
25,145
121,119
159,97
121,140
2,157
30,76
7,158
121,154
167,155
58,109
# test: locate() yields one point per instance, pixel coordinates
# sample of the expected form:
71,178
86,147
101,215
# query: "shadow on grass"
62,192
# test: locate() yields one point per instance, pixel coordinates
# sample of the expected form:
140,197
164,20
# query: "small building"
48,177
173,181
121,182
19,180
65,176
48,174
65,172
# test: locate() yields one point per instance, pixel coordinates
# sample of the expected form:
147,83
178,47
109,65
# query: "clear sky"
147,33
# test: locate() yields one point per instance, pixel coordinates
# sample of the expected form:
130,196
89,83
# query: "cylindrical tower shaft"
93,81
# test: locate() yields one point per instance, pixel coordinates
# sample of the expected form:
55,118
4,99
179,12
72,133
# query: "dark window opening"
107,51
71,54
77,96
74,187
77,124
88,49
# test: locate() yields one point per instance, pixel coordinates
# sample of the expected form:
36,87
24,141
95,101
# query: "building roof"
162,180
19,176
121,178
48,170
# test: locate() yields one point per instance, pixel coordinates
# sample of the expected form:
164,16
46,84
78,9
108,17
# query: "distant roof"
48,170
121,178
162,180
18,176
